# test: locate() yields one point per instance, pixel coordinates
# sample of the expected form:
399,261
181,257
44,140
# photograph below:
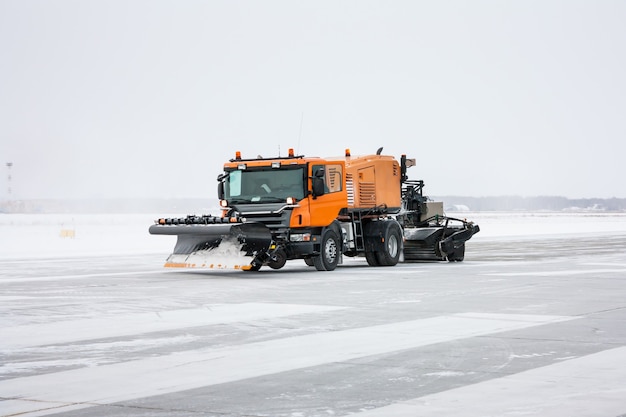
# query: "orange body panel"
351,182
375,181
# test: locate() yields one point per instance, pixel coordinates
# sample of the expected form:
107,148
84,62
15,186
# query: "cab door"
323,209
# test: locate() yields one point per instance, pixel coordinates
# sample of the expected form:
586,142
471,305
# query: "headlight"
300,237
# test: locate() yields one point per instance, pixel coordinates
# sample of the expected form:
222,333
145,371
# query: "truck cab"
297,198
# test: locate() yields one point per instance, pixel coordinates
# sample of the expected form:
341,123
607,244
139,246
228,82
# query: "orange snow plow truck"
318,210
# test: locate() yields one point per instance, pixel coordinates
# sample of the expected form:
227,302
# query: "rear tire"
371,258
458,255
328,259
392,245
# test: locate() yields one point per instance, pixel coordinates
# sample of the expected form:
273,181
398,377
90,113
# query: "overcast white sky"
149,98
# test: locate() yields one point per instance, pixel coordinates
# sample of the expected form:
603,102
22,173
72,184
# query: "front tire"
328,259
277,259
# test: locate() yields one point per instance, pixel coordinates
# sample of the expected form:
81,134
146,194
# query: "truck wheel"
371,239
458,255
328,258
277,259
371,258
392,245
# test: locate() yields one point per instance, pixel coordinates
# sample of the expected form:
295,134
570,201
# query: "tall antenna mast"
300,134
9,165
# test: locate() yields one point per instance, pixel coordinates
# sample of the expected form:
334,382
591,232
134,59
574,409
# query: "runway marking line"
118,325
81,388
593,385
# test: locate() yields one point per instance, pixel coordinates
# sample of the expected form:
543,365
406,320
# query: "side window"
233,184
332,177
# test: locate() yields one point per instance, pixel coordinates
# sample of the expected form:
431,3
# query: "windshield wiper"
257,199
239,201
270,199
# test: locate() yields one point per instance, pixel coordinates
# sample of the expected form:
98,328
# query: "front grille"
271,220
277,223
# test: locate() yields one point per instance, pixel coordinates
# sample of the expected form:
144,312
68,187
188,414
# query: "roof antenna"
300,134
379,150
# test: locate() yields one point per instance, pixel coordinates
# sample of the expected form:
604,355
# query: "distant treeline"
183,206
549,203
161,206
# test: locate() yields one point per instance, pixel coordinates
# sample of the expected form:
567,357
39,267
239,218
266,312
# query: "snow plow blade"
219,245
437,243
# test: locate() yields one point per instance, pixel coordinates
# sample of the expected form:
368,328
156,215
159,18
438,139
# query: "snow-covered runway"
532,323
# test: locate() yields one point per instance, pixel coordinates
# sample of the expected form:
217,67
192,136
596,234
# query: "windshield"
266,185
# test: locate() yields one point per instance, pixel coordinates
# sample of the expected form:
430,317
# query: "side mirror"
317,182
220,190
318,186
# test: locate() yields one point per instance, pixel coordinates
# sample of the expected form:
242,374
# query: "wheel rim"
330,251
392,246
